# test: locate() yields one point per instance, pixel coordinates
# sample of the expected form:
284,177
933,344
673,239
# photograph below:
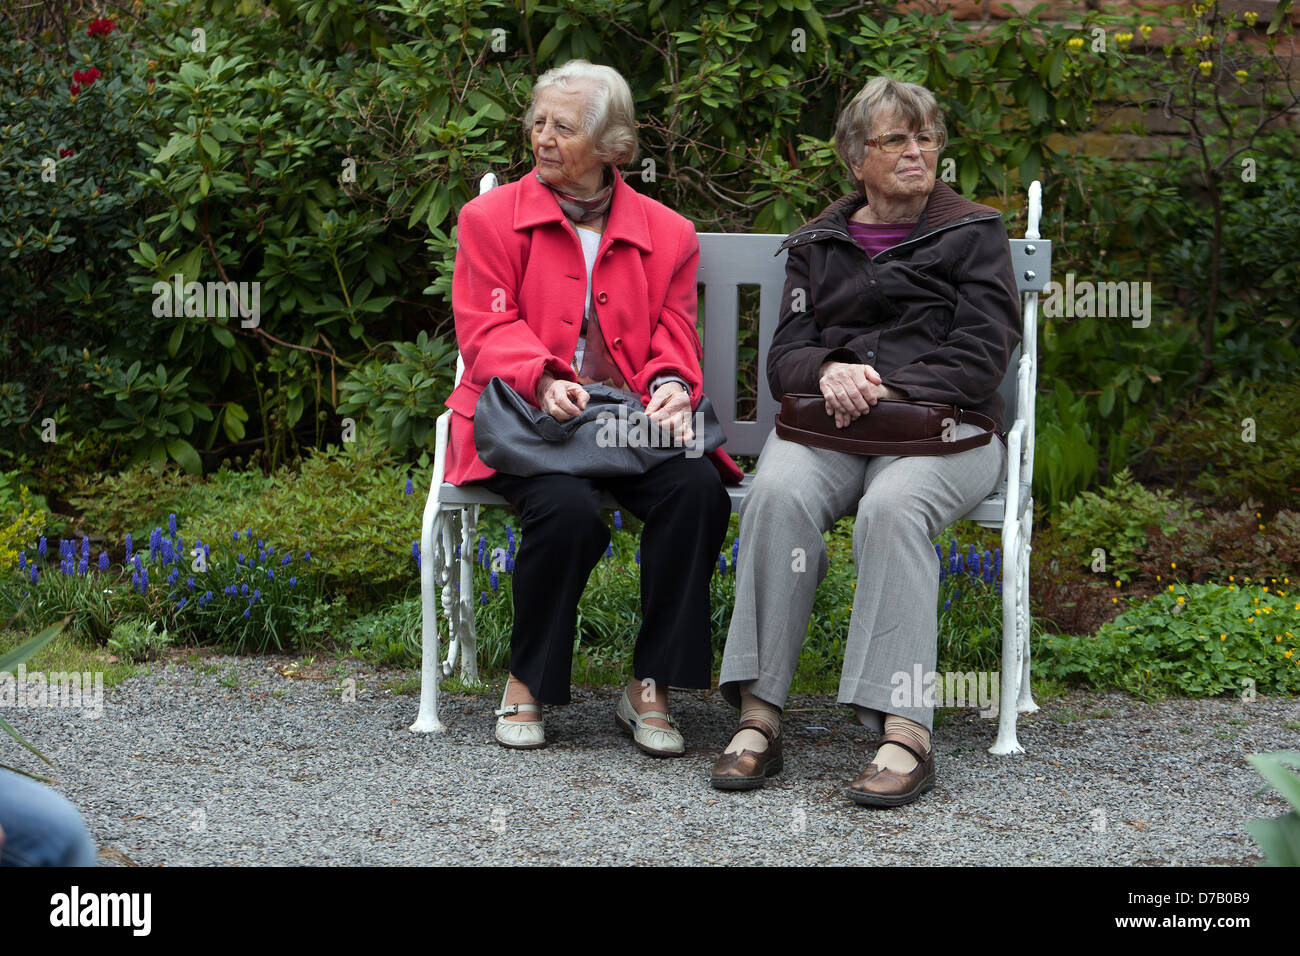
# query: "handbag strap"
919,446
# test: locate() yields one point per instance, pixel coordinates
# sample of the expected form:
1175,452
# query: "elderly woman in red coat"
568,276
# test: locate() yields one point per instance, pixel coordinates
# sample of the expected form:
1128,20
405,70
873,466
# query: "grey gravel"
184,770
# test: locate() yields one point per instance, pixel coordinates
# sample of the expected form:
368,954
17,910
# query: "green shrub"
349,507
134,640
1195,640
401,393
1240,442
1242,543
1116,520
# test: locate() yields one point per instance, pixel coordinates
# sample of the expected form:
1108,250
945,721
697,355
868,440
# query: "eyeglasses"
928,140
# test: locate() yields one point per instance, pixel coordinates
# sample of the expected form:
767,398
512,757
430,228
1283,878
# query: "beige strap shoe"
656,741
518,734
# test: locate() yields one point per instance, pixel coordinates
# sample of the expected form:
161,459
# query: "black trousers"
685,510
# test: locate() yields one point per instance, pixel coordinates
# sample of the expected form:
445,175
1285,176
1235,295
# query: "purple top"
875,239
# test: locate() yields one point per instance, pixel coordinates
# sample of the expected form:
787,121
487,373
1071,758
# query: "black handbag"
612,436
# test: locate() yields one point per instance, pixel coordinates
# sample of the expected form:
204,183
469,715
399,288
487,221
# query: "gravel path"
253,761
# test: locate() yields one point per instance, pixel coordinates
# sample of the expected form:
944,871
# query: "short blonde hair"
608,117
882,94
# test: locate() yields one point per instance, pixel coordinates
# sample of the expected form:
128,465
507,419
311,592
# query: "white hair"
608,116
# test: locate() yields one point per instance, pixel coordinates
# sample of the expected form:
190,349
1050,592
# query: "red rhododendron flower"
74,88
78,76
100,26
64,153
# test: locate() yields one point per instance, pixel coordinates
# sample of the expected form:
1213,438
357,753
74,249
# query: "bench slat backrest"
730,261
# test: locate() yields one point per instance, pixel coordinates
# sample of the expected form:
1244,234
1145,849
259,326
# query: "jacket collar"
536,205
944,209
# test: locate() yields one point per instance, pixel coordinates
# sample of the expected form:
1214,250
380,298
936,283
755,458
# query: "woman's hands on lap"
850,390
560,398
670,407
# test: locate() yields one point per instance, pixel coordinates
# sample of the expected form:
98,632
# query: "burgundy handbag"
892,427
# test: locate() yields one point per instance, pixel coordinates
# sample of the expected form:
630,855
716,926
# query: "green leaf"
210,146
1273,768
185,455
550,42
1279,15
174,342
25,652
1106,403
1279,839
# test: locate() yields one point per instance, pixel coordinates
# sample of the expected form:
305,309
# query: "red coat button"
602,298
618,341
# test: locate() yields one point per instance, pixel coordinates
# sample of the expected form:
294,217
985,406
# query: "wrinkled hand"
560,398
850,390
670,408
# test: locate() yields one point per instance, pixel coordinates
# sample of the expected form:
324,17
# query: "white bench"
726,263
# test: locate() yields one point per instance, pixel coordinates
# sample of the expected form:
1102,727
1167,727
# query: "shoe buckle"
508,711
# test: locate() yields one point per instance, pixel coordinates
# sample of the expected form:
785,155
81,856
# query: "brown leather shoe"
889,788
748,770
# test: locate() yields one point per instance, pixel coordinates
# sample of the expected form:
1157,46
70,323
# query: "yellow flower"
1261,527
1173,566
1241,76
1247,579
1290,652
1266,590
1278,638
1256,600
1123,39
1205,41
1231,578
1114,600
1075,43
1157,577
1250,17
1232,587
1198,8
1171,587
1206,67
1250,619
1267,609
1180,599
1145,31
1223,637
1116,584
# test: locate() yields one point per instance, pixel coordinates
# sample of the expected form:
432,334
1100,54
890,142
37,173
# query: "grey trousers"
902,503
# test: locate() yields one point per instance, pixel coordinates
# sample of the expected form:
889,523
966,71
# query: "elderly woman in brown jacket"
902,290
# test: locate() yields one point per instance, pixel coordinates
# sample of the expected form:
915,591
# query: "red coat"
518,292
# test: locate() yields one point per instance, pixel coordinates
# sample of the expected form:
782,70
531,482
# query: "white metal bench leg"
465,607
448,580
432,567
430,671
1025,703
1014,591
